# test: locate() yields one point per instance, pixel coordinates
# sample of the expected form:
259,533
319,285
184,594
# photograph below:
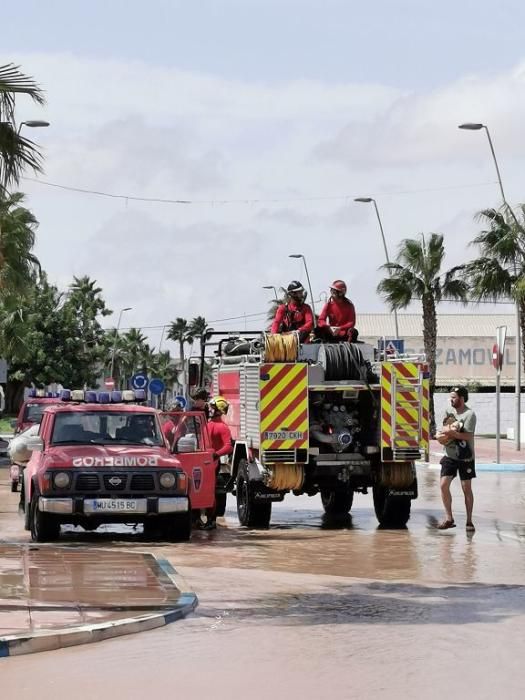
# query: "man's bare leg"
446,497
466,485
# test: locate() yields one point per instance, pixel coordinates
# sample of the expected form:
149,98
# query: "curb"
483,467
16,645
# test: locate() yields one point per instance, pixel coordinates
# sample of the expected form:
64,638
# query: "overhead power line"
247,200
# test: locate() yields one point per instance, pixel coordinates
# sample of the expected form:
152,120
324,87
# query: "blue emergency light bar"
103,397
42,394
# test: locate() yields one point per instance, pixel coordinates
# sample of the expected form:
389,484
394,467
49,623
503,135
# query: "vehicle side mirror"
35,443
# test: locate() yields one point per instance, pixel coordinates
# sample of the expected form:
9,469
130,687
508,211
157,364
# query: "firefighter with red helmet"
294,315
221,441
337,318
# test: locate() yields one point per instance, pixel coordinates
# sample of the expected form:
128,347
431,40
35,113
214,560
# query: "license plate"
115,505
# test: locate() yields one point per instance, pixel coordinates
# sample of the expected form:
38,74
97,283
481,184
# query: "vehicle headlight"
167,480
61,480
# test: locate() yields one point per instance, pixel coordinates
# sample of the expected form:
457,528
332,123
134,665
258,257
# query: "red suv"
105,461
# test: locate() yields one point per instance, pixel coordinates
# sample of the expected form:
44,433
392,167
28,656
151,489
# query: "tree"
417,274
499,273
19,267
275,303
180,332
16,152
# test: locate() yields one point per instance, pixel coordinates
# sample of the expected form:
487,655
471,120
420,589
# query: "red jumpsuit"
220,437
339,313
293,317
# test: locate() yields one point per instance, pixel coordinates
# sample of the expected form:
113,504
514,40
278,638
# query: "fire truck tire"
44,527
177,528
220,504
391,511
251,513
337,503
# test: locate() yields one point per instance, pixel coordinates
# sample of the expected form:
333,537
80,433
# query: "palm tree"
16,152
500,271
180,332
275,303
416,274
19,267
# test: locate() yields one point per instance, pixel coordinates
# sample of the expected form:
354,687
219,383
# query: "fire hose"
281,348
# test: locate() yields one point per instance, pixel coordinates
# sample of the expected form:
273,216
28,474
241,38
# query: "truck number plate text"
283,435
115,505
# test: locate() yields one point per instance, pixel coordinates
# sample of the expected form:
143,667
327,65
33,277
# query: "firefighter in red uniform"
295,315
221,441
337,319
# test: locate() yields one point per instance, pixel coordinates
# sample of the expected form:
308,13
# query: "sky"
266,119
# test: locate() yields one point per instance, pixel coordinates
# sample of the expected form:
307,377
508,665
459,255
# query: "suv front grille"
88,482
142,482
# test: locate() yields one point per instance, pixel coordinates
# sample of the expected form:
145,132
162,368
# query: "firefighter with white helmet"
295,314
337,318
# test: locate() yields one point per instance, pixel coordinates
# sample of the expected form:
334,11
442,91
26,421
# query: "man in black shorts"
457,438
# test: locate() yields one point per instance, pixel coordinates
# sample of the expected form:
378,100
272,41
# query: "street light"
127,308
270,286
474,126
300,255
368,200
32,123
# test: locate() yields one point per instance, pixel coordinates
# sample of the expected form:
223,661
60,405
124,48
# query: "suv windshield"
106,427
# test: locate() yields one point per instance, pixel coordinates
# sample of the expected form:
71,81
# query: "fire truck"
101,457
333,419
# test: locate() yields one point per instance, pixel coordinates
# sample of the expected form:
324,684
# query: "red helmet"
339,286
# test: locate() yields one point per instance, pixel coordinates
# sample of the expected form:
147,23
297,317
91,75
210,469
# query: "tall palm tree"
417,274
499,273
19,267
282,298
16,152
180,332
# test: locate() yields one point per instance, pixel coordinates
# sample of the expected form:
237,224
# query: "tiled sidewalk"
49,588
486,451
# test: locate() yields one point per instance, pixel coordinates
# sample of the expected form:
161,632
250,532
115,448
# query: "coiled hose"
346,361
281,348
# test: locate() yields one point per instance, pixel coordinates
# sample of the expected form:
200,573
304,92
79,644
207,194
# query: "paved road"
302,610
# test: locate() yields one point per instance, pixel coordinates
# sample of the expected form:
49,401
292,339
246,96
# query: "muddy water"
308,608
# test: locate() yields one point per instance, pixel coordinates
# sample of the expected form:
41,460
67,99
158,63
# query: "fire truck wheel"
44,528
337,503
391,511
220,504
251,513
177,528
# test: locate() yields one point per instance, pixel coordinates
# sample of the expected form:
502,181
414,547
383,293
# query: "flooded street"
310,608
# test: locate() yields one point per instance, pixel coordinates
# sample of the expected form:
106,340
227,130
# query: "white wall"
485,407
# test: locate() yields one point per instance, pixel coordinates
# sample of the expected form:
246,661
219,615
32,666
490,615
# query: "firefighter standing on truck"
295,315
221,441
337,318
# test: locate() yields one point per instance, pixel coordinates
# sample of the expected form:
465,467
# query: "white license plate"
115,505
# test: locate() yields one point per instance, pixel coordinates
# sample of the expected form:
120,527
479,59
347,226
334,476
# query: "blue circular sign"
181,400
156,386
139,381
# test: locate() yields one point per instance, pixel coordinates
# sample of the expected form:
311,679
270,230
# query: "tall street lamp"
300,255
127,308
368,200
473,126
270,286
32,123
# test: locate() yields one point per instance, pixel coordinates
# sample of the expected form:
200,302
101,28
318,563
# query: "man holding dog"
457,438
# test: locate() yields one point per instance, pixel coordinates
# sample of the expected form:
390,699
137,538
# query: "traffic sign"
392,346
497,357
109,383
139,381
181,400
156,386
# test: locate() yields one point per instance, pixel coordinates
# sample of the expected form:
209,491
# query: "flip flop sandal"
446,525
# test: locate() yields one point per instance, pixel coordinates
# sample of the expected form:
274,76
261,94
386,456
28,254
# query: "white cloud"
145,130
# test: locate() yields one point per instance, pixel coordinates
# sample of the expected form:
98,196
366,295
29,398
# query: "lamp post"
300,255
127,308
270,286
474,126
371,200
32,123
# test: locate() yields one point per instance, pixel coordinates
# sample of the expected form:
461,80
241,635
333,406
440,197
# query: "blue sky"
293,108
